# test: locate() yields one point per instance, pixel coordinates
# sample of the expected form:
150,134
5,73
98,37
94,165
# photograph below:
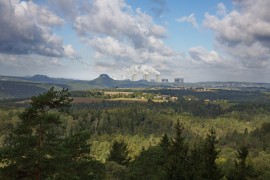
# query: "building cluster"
157,78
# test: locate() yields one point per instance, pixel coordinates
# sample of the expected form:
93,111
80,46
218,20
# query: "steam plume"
142,69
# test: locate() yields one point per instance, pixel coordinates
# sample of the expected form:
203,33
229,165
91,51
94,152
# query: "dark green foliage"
119,153
33,148
148,165
171,159
245,95
77,163
209,156
131,119
177,159
165,143
95,93
195,163
37,149
262,135
115,171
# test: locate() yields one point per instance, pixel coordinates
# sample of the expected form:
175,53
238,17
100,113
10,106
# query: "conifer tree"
148,165
165,142
209,156
195,163
119,153
36,149
176,164
33,149
77,163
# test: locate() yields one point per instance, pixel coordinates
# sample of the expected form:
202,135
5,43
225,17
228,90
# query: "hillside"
9,89
14,89
104,81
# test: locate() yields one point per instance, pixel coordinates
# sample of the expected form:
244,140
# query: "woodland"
207,135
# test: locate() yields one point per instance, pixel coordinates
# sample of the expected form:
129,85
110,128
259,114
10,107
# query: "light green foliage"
261,164
8,120
101,145
242,169
100,150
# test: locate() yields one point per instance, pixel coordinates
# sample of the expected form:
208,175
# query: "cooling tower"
134,77
158,78
146,77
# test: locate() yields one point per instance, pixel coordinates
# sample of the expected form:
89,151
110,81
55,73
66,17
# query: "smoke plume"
142,69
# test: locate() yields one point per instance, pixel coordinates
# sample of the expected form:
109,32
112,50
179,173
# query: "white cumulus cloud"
244,33
26,28
200,56
121,34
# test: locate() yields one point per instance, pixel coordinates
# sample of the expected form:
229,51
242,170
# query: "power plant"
164,80
157,78
134,77
123,77
148,73
179,80
146,77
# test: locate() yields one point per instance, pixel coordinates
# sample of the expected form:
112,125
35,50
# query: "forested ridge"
185,139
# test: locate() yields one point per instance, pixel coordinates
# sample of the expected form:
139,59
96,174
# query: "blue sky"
211,40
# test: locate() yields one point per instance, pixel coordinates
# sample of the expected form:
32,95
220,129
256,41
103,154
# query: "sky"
210,40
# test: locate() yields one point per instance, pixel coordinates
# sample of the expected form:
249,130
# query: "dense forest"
209,135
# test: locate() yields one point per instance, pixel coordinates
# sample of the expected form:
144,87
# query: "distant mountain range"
22,87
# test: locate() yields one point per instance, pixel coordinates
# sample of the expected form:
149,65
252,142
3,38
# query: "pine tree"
165,142
119,153
36,149
33,147
176,164
77,163
209,156
164,146
195,164
148,165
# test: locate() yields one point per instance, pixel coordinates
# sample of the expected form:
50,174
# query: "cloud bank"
26,28
243,33
116,31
